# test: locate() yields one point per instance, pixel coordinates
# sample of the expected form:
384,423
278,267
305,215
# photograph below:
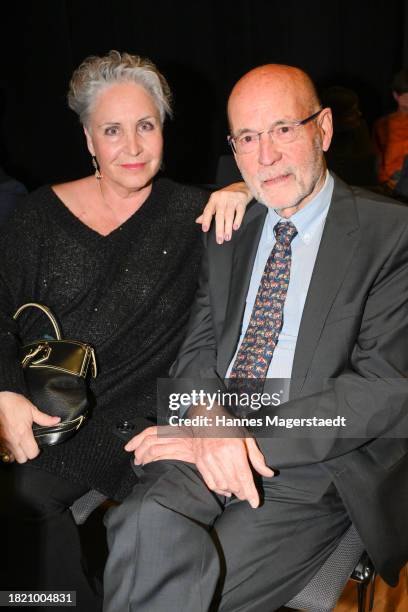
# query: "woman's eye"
112,131
145,126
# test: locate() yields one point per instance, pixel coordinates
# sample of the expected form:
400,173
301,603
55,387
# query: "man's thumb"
257,459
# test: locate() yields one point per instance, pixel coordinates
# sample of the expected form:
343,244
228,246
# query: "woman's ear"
89,141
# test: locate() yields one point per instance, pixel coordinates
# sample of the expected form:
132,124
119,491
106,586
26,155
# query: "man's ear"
326,127
89,141
395,96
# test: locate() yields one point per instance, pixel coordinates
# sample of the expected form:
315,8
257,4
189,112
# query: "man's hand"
228,205
162,442
17,415
224,463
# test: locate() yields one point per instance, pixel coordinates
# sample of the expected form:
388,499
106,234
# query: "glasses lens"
281,134
284,133
247,143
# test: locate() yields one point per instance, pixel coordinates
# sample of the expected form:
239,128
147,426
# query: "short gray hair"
96,73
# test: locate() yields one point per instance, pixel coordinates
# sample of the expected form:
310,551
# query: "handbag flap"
68,356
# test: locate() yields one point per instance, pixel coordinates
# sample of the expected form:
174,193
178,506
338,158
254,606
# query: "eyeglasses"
281,133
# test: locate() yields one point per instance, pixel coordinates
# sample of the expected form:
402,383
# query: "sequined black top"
128,294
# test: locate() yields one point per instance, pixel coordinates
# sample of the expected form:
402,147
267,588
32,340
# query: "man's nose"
268,152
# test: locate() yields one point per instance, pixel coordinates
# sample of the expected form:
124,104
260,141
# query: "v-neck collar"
66,218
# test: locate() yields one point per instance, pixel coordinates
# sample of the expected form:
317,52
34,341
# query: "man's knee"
147,504
169,493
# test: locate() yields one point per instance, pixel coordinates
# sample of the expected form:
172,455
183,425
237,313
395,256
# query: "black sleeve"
20,243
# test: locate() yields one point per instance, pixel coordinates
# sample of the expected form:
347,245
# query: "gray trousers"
176,546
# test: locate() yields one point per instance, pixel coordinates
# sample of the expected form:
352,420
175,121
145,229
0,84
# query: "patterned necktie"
262,334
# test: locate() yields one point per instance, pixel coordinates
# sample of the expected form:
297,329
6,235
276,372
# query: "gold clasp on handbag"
94,367
29,358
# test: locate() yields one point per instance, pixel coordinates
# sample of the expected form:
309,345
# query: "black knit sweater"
127,294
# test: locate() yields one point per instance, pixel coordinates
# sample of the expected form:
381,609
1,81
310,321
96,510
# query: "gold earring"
96,166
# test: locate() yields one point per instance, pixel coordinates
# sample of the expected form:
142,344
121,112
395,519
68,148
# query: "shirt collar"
308,219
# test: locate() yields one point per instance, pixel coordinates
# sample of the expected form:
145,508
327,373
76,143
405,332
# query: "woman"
115,256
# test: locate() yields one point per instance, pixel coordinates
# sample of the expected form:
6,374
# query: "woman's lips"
133,166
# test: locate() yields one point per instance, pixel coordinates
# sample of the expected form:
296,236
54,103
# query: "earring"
96,166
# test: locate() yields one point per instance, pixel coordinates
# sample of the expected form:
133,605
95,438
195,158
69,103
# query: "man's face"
402,101
281,176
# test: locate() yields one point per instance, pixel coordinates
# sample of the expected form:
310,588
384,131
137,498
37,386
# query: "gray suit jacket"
354,329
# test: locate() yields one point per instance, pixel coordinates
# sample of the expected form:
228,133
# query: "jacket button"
125,426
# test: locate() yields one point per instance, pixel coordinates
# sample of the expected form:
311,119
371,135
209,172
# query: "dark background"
202,47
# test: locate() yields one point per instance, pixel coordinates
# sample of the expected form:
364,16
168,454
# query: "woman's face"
125,134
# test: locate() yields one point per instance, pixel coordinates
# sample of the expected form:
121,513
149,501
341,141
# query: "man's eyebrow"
274,124
245,131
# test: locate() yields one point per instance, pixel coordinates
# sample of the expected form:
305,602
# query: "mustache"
269,176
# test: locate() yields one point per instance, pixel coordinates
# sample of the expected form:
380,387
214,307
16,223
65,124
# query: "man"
12,193
312,288
390,135
351,155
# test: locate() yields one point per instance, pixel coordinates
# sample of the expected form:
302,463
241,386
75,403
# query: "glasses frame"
231,139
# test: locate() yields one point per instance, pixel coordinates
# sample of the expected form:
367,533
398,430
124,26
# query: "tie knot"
284,232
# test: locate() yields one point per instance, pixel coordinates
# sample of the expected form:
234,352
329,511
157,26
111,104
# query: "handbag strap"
45,310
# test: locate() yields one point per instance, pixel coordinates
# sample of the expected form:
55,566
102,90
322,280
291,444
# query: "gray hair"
96,73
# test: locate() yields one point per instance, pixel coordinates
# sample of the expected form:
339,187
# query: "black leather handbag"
55,373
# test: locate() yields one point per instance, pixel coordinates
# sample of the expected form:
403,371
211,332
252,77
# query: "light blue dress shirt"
309,222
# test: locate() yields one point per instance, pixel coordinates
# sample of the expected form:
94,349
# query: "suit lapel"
339,240
246,246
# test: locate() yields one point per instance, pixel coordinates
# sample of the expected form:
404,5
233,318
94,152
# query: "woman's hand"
228,205
17,415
